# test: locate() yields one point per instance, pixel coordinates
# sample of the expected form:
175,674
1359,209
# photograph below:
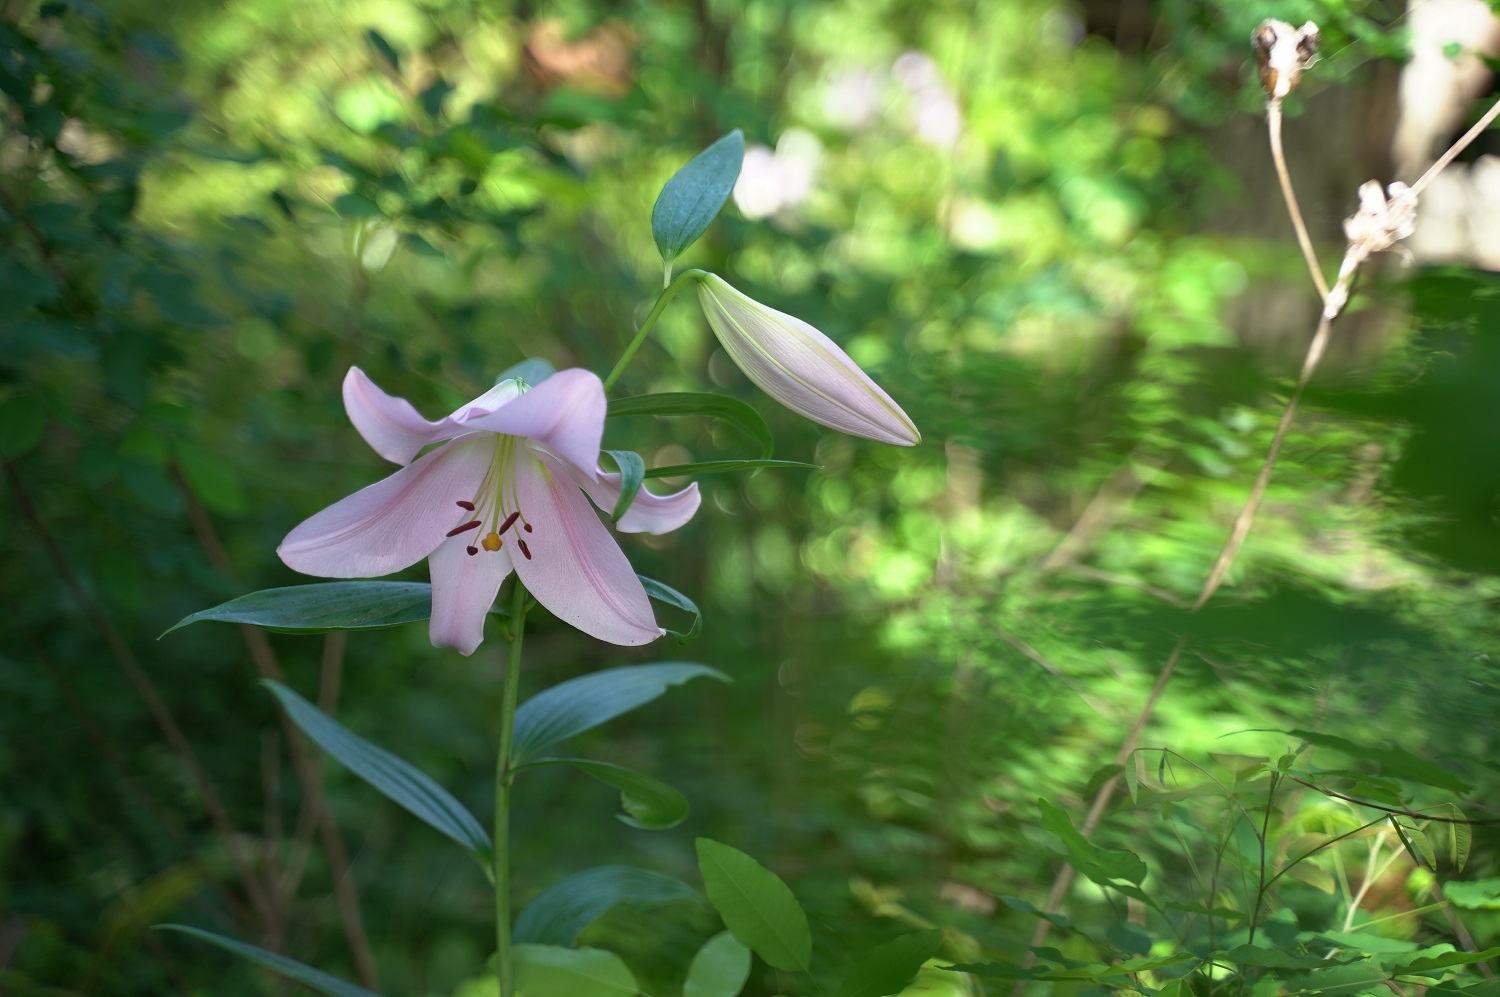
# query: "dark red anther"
472,550
522,544
466,506
528,527
509,522
463,529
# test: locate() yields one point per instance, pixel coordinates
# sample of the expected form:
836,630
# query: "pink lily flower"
506,491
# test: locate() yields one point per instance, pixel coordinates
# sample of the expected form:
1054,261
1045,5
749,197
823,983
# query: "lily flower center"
495,506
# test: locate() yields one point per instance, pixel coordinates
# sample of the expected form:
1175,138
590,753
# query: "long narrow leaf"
290,968
632,474
564,909
649,803
324,606
731,410
584,703
665,593
399,780
720,467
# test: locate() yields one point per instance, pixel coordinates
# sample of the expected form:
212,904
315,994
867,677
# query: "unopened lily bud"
1283,54
802,368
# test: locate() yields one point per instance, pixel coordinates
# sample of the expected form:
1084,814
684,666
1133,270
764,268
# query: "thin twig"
1289,195
160,713
304,767
1397,811
1457,147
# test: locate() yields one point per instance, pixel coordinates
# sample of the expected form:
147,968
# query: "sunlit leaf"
1445,960
1105,866
756,905
553,971
692,198
325,606
565,908
1476,894
649,803
721,407
720,968
290,968
886,969
581,704
398,780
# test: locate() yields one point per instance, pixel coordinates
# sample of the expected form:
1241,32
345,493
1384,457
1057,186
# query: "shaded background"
1049,229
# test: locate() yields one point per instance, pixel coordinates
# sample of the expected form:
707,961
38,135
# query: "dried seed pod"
1283,53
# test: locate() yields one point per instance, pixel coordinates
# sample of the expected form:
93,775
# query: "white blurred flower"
773,181
853,98
935,115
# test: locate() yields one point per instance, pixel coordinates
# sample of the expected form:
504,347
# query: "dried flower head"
1283,54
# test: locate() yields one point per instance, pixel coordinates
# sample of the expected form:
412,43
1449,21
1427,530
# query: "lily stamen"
463,529
522,545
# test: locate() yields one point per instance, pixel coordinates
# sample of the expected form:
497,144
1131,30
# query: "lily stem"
504,776
667,294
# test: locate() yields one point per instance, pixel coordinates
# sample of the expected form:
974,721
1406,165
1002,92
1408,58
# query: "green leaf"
1393,760
1016,903
720,968
290,968
325,606
1416,843
398,780
694,195
553,971
1461,837
378,43
532,371
720,467
662,592
1105,866
887,969
1445,960
1275,958
565,908
730,410
21,424
581,704
756,905
649,803
632,475
1477,894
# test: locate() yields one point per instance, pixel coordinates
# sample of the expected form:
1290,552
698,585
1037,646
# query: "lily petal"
576,569
393,523
802,368
649,512
565,413
463,590
389,424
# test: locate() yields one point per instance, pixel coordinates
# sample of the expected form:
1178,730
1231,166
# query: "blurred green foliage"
211,210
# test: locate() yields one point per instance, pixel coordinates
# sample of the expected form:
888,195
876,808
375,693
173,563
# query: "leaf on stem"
290,968
720,968
398,780
730,410
1105,866
720,467
324,606
581,704
756,905
632,476
564,909
693,197
888,968
665,593
649,803
553,971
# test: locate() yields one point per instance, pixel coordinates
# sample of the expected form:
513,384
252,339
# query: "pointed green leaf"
1445,960
1477,894
720,968
1416,842
533,371
290,968
632,475
581,704
887,969
325,606
1016,903
731,410
565,908
1105,866
1393,760
649,803
720,467
665,593
756,905
692,198
1461,837
398,780
552,971
378,43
